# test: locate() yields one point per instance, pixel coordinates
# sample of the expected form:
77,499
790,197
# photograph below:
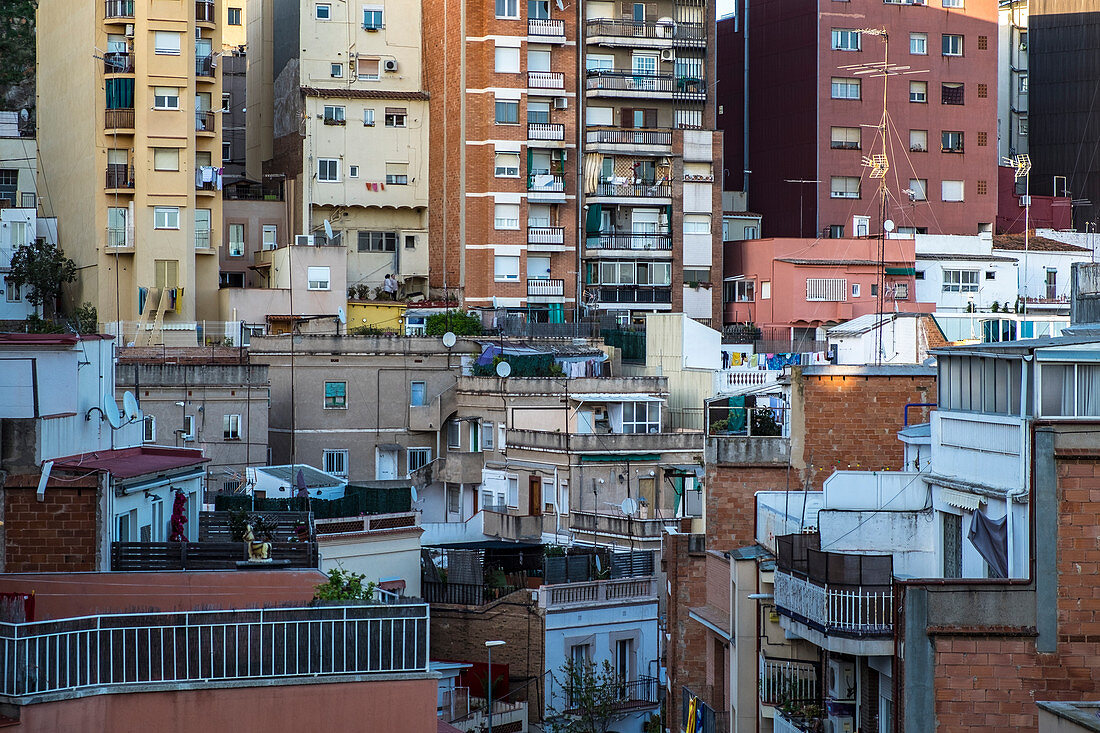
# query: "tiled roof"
364,94
1036,244
837,263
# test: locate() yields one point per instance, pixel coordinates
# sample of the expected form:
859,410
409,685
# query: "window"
952,3
396,116
901,291
236,240
918,92
506,216
166,159
507,60
538,113
368,118
506,268
696,224
844,88
454,499
166,98
951,141
829,290
983,91
377,241
598,62
11,291
507,8
766,290
233,16
335,462
506,165
334,114
149,429
919,189
317,278
353,171
397,174
952,536
227,150
960,281
166,273
845,39
844,187
270,236
166,43
487,430
188,427
952,44
231,427
538,60
1023,84
744,291
751,232
416,394
538,9
417,458
410,241
697,275
336,71
952,93
855,290
654,273
323,11
507,112
580,655
336,395
372,17
641,417
166,217
328,169
836,231
538,267
918,141
367,68
454,435
951,190
918,44
1023,126
845,138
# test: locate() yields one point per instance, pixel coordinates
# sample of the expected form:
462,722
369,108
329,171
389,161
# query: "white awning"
612,397
960,499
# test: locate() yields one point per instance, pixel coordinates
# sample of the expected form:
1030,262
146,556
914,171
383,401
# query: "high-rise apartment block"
815,113
338,87
130,153
576,156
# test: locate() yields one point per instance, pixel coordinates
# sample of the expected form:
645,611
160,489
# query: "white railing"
1005,437
786,679
100,654
782,725
545,235
545,79
599,591
858,611
733,379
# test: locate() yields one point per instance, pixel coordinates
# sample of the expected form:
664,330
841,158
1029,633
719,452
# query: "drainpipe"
905,413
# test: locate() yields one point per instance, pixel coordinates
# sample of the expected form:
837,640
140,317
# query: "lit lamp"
489,695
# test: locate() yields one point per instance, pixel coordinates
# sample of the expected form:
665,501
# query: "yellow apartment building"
337,91
234,23
130,153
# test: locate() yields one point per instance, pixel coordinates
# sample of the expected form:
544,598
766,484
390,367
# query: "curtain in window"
1088,390
120,93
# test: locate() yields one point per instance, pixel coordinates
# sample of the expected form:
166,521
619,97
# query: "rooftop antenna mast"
1022,164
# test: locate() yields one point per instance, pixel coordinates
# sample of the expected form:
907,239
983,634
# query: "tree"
43,268
590,699
458,323
16,40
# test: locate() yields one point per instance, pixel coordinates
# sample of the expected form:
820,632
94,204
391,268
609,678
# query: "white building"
1044,267
18,228
960,273
900,338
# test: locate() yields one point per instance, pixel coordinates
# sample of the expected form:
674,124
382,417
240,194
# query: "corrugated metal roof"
964,256
315,478
614,397
860,324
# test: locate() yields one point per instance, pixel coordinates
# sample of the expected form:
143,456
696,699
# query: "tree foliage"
16,40
457,322
43,269
344,585
590,701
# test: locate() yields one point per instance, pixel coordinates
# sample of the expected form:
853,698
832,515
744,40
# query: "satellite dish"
130,406
888,225
449,339
111,413
629,507
598,568
503,369
412,490
341,316
24,115
328,230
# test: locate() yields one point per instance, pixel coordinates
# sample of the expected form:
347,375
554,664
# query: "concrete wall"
390,554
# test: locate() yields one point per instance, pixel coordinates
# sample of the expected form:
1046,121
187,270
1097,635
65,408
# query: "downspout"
745,114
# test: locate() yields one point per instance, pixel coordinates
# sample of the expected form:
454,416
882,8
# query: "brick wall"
687,647
54,535
731,507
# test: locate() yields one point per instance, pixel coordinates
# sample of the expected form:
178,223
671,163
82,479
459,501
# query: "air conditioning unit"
840,723
305,240
561,102
667,54
129,30
840,683
389,65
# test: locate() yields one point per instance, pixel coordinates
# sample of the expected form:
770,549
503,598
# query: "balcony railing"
634,190
204,11
203,240
849,610
545,288
545,80
140,556
204,121
545,27
253,192
545,235
462,594
546,182
620,136
622,240
366,524
545,131
116,237
118,62
787,680
99,654
610,524
118,119
120,9
646,84
634,294
707,719
686,33
120,175
642,692
204,66
598,591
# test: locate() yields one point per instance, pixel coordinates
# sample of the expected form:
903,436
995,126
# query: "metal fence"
118,650
787,680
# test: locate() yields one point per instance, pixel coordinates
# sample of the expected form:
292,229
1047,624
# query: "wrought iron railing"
120,175
204,121
635,190
204,66
622,240
621,136
646,83
660,30
854,610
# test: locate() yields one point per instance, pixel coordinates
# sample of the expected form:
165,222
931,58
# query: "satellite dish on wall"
888,225
111,413
412,492
449,339
130,406
629,507
503,369
328,230
341,316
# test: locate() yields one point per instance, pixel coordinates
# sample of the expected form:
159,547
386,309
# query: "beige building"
336,99
129,146
234,23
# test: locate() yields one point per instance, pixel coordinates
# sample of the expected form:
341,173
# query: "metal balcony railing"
545,80
203,239
115,119
634,190
545,27
546,182
855,610
206,185
635,693
787,680
118,62
646,84
113,652
116,237
686,33
120,9
120,176
205,121
204,66
623,240
204,11
366,524
545,131
634,294
545,288
545,235
620,136
707,719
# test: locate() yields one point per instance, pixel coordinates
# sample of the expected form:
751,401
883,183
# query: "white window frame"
232,248
506,60
506,216
231,427
165,153
840,187
166,98
845,138
845,84
919,187
846,39
918,44
273,241
369,11
149,429
336,71
487,435
503,270
319,278
339,460
424,457
826,290
335,112
955,41
188,432
353,171
917,95
918,147
368,117
944,189
322,164
166,217
696,223
512,103
322,11
634,426
506,165
855,290
166,43
509,8
961,281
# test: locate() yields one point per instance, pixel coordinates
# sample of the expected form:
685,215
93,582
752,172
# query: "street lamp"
1022,164
489,695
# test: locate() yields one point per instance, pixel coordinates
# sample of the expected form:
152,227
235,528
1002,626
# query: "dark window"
952,546
836,231
951,93
377,241
234,16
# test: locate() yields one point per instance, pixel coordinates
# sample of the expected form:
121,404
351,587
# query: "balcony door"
644,66
534,496
643,227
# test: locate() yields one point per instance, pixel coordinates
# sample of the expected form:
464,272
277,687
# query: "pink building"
809,283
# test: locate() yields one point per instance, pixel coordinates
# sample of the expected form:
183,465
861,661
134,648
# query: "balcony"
119,9
546,30
454,467
113,653
622,697
622,140
545,290
565,595
119,239
204,241
707,719
545,131
118,119
612,525
545,235
120,175
253,192
369,524
629,84
604,443
644,190
206,186
205,121
786,681
642,34
624,240
546,187
516,528
205,11
634,294
545,80
139,556
205,67
118,62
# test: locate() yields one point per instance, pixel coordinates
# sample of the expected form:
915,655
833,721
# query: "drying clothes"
178,304
990,539
143,293
735,359
754,361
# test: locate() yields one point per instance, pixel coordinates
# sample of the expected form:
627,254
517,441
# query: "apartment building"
339,88
130,152
593,118
815,110
1012,78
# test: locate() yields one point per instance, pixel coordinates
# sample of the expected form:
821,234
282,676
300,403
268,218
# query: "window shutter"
651,117
628,10
627,117
650,12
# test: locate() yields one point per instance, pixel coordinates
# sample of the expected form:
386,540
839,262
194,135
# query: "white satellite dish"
629,507
340,315
111,413
328,230
130,406
503,369
449,339
412,490
888,225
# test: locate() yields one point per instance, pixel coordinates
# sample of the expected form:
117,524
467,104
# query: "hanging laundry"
735,359
143,293
775,361
179,300
754,361
221,173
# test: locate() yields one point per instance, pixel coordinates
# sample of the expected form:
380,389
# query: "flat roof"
131,462
859,370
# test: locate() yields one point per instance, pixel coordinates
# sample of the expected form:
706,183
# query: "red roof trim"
131,462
